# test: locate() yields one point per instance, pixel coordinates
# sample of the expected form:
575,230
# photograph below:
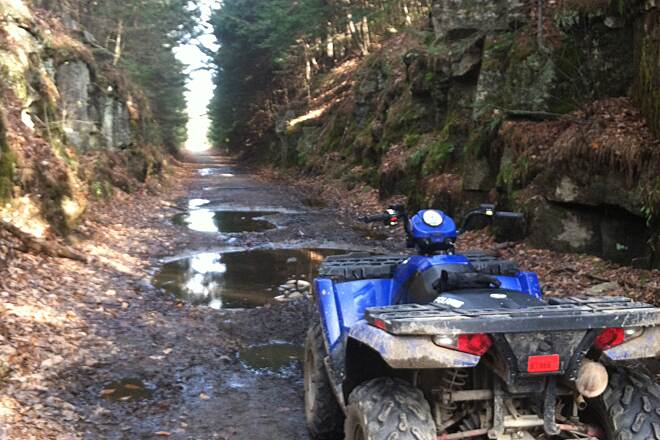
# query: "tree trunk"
118,43
539,26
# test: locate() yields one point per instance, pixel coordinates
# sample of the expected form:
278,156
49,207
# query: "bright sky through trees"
200,84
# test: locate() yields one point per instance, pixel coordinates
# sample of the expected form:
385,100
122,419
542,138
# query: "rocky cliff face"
73,124
646,88
552,115
92,118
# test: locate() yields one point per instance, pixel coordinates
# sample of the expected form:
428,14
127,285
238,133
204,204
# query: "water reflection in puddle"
277,357
205,220
197,203
125,390
238,279
221,171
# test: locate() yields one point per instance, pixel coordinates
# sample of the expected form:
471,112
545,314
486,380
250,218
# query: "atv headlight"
432,218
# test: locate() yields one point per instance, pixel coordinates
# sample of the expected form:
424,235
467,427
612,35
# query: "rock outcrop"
555,120
62,105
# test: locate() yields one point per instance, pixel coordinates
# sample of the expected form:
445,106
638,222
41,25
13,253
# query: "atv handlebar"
398,213
487,211
511,215
392,216
375,218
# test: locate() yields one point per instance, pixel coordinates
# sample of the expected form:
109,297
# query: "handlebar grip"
375,218
511,215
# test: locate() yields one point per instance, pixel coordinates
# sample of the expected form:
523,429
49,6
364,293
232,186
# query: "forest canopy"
279,45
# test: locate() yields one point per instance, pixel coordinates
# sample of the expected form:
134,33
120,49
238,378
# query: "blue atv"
440,345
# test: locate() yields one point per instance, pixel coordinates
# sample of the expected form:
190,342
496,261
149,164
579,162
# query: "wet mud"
210,346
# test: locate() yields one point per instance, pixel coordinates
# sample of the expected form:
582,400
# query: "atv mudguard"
645,346
410,352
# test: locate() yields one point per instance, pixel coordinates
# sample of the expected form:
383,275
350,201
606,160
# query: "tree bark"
539,27
118,43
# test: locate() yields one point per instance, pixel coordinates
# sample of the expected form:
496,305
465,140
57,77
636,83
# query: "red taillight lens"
477,344
608,338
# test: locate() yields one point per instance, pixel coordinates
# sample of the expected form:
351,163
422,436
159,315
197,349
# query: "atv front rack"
561,314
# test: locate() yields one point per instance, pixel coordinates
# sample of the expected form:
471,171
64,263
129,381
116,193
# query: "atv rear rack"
561,314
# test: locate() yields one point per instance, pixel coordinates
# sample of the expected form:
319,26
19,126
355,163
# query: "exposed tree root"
35,245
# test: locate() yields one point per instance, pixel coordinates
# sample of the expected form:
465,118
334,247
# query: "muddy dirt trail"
173,328
204,350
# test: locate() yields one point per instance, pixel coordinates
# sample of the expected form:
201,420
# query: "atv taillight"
610,337
477,344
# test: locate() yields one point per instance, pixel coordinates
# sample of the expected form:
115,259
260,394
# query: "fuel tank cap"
432,218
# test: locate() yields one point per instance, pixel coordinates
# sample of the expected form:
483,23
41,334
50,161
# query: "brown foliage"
604,135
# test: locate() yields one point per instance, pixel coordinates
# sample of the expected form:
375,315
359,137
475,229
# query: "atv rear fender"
341,305
410,352
646,345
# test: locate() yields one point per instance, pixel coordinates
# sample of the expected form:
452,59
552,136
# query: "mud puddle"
217,171
126,390
277,357
206,220
238,279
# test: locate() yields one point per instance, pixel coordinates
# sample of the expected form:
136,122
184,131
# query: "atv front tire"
629,408
387,408
323,414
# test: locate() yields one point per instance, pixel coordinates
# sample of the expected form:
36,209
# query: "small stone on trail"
602,288
302,284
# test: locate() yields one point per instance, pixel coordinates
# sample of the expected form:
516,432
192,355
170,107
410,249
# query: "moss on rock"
646,87
7,163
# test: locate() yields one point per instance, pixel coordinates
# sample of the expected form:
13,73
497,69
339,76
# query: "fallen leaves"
50,308
107,392
574,274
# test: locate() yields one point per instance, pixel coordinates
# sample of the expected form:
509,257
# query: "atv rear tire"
387,408
323,414
629,408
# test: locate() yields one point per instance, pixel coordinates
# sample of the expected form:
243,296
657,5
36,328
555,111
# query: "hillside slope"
555,115
73,126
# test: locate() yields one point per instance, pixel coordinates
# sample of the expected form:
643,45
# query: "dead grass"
608,135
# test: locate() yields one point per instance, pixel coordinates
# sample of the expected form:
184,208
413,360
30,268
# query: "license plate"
548,363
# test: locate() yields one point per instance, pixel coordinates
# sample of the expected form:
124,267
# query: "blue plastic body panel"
419,229
341,305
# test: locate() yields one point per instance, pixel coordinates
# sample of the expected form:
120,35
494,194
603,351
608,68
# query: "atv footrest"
359,266
560,314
